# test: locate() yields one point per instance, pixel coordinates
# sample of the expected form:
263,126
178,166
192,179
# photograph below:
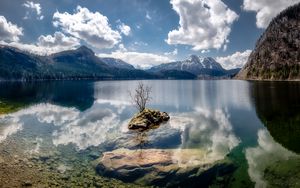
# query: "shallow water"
238,133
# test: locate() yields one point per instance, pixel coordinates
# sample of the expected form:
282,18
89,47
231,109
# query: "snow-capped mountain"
194,64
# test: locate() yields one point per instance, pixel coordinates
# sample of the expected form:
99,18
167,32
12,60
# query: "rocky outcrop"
148,119
277,53
169,167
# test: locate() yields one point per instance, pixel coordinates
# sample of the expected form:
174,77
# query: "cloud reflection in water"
208,131
265,154
9,126
84,129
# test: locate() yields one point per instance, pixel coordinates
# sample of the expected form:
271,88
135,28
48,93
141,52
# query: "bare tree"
141,96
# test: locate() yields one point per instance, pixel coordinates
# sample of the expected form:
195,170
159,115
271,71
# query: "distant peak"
83,48
193,56
209,58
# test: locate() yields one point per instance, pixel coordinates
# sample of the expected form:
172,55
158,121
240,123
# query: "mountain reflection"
278,106
181,95
78,94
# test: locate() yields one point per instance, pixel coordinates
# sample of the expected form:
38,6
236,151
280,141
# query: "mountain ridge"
82,63
200,66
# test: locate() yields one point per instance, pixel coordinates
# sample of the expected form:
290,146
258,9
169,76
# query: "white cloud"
91,27
205,51
122,48
138,59
203,24
9,31
140,43
148,16
236,60
138,26
266,9
58,40
36,7
47,44
174,52
125,29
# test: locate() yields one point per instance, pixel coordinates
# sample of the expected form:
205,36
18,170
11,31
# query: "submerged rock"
148,119
161,167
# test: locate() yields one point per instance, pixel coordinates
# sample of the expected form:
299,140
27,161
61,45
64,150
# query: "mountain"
80,63
277,52
176,74
118,63
15,63
205,67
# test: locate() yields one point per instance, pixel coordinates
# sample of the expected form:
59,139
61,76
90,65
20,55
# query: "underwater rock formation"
168,167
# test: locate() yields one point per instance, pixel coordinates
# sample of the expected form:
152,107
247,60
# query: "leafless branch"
141,96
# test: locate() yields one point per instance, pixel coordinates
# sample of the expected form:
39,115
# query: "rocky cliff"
277,52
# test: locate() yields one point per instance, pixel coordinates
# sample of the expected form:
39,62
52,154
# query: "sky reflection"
208,131
267,152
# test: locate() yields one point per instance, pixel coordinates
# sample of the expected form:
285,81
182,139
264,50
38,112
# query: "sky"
143,33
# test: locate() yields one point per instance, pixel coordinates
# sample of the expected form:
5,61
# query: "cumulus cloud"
138,59
236,60
125,29
91,27
203,24
174,52
57,40
47,44
122,48
9,31
34,7
266,9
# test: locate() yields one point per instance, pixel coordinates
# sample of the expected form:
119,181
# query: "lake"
221,133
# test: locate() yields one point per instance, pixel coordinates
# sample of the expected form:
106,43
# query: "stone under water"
161,167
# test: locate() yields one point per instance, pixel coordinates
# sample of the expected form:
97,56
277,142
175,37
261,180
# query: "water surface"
243,133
